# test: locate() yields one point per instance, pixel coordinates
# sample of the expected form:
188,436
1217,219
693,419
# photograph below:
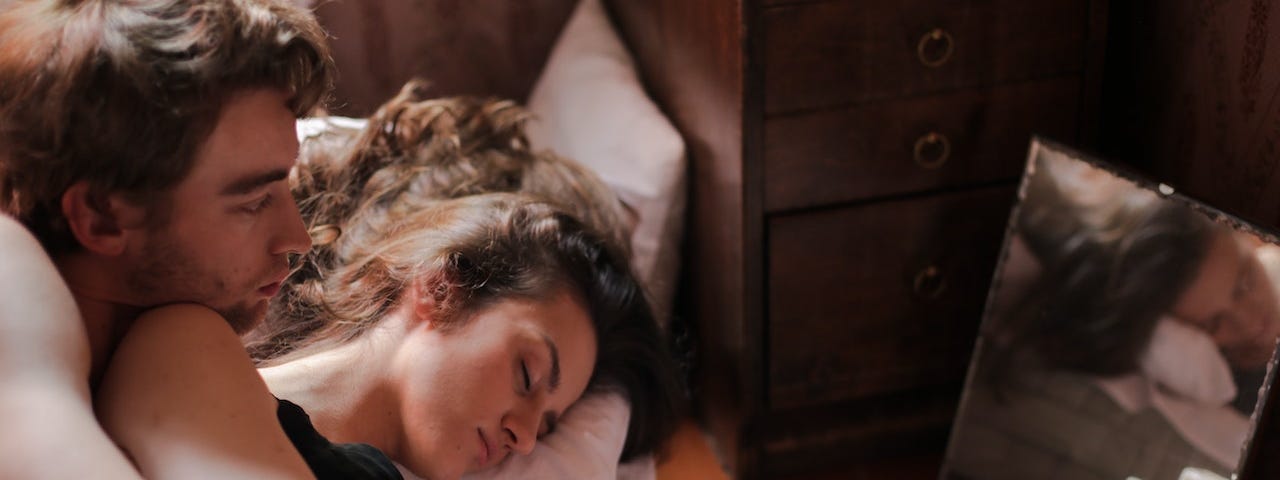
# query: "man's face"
232,221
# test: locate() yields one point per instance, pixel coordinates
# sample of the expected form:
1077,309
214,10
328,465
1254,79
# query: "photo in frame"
1129,333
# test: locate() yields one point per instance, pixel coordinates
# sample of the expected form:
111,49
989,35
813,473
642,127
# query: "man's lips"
270,290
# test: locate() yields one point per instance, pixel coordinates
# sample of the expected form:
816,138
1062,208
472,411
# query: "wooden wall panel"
483,47
1191,97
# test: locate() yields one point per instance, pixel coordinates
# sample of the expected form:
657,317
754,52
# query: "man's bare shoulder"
193,345
44,370
181,350
171,327
41,332
183,398
16,239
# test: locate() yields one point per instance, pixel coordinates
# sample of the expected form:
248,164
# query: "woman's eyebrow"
555,364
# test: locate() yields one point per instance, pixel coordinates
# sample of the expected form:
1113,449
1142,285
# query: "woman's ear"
100,222
425,305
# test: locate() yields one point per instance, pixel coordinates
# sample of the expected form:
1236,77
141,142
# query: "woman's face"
473,394
1233,299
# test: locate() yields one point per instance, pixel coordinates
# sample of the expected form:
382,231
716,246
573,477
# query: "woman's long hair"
1109,273
379,208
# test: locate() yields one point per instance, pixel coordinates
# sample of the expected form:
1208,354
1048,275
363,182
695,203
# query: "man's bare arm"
183,398
45,406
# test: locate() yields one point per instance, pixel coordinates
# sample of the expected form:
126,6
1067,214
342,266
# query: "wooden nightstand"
854,162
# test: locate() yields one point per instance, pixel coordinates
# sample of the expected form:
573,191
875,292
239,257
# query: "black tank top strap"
332,460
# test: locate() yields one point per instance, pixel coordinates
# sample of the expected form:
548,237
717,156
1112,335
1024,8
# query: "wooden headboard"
480,47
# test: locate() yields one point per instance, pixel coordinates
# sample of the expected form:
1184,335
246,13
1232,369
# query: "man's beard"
167,274
241,317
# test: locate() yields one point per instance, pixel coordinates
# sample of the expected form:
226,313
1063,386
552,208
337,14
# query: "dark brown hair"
1108,275
373,201
121,93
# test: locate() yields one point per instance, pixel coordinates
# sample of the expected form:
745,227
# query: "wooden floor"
690,458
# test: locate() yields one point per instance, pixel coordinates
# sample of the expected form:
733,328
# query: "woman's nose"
521,427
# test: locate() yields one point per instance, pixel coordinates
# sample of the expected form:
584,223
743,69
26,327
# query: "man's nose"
293,237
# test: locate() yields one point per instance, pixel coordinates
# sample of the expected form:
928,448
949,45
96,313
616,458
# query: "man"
146,146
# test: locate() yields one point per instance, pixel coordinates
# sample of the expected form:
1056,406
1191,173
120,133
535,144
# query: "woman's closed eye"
524,370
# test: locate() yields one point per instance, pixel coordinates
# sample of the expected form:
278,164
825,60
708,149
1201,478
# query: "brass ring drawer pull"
935,48
929,283
932,150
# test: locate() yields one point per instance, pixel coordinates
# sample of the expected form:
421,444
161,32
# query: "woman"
430,329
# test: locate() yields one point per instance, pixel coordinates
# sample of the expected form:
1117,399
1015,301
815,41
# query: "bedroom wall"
1192,98
483,47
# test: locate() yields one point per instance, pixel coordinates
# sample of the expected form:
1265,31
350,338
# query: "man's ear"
100,222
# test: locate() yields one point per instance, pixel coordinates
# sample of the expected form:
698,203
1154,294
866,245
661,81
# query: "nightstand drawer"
957,139
877,299
852,51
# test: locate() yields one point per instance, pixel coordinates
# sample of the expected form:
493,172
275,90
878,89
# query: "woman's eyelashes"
524,371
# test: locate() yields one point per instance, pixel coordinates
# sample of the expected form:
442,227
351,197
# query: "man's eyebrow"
252,182
555,364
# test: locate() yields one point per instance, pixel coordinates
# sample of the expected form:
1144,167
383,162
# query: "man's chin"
245,317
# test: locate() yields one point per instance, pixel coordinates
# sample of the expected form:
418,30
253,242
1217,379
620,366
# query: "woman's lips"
482,459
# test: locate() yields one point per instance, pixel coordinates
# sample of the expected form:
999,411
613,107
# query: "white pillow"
1186,361
586,444
587,437
590,106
